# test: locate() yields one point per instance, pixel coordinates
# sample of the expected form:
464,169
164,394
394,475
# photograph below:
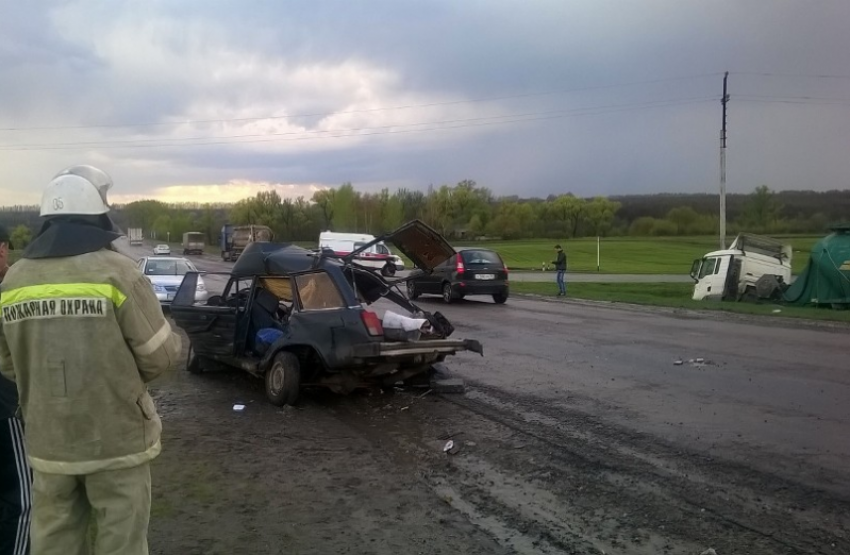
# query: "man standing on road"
15,475
82,333
561,269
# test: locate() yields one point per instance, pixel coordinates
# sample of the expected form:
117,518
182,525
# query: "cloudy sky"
212,100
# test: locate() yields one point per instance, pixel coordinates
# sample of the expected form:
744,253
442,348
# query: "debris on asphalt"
451,448
678,362
709,551
238,408
448,385
700,360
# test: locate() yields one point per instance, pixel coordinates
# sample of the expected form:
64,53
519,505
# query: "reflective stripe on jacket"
81,335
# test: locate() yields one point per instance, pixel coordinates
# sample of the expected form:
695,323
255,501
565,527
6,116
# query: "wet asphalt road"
771,394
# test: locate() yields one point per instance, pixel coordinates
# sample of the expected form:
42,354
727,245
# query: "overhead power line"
793,99
166,140
796,75
362,132
365,111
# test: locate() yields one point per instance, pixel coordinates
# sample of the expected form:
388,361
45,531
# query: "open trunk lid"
420,243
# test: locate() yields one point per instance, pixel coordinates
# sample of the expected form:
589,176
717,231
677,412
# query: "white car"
162,250
166,274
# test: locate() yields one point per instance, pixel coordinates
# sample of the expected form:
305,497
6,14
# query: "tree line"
469,211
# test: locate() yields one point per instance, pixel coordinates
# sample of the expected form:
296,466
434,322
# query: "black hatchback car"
472,271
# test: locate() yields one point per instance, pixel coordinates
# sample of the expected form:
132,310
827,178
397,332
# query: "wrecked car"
297,319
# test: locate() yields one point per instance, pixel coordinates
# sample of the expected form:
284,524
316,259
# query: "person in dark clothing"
15,474
561,269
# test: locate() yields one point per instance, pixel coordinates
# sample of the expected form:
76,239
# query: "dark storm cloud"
656,129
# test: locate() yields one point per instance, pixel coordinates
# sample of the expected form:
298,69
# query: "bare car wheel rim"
277,379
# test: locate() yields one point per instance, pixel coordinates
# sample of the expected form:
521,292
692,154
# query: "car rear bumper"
475,287
398,350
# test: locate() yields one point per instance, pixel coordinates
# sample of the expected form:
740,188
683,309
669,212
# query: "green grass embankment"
624,255
674,295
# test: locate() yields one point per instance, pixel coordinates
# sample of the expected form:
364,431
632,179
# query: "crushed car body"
297,318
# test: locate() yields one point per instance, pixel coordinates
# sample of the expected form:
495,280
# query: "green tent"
826,279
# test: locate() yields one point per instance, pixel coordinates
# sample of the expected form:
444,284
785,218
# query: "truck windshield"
708,266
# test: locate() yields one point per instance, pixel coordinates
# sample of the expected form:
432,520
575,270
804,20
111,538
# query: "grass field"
675,295
618,255
625,255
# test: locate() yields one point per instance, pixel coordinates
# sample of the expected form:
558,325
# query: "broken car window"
317,291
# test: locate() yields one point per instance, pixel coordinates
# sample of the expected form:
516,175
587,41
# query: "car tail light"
372,323
459,264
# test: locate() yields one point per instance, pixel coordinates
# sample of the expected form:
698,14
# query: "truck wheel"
412,293
283,379
448,294
750,295
388,270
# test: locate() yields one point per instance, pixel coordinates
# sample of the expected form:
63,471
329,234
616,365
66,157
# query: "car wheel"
500,298
412,293
283,379
194,366
388,270
448,295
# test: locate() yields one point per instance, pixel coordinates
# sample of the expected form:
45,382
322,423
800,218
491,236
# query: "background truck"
134,234
193,242
234,238
752,268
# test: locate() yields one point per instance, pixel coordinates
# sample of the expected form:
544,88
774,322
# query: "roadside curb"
718,315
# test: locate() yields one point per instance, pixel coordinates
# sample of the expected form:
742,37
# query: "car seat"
263,314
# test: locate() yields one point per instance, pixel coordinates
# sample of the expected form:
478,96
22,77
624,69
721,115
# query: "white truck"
376,256
134,234
753,267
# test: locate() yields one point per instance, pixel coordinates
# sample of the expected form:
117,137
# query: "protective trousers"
15,489
117,501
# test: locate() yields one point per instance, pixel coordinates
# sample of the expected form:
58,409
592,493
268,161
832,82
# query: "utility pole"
723,166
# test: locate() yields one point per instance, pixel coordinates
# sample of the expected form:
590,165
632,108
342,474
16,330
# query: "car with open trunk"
300,318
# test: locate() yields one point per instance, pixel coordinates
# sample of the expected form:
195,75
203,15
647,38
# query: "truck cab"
737,272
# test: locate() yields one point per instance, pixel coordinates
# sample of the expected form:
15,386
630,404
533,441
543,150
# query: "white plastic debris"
777,310
393,320
679,362
448,446
700,360
709,551
238,408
